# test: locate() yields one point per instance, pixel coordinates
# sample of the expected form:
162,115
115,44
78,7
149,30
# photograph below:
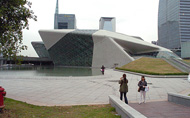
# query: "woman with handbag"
123,88
142,85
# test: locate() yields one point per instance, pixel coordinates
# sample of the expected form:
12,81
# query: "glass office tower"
174,26
64,21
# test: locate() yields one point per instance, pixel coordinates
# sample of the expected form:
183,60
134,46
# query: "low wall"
123,109
179,99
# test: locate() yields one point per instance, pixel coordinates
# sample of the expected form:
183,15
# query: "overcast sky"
133,17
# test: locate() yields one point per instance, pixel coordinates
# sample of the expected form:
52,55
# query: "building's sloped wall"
51,37
108,53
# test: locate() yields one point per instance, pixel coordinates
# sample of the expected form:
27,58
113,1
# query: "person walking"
123,88
102,69
142,86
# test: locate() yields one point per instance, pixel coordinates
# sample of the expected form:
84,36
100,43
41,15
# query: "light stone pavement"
64,91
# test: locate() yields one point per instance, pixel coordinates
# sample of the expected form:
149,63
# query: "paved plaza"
162,109
64,91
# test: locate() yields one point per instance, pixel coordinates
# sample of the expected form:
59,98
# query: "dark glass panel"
74,49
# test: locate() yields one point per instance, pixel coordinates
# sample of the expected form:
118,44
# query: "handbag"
139,89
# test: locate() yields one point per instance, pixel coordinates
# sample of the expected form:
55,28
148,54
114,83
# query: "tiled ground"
86,90
162,109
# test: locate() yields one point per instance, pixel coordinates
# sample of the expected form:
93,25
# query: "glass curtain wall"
168,24
74,49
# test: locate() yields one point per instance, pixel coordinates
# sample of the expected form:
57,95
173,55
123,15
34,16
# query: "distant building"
154,42
64,21
174,26
107,23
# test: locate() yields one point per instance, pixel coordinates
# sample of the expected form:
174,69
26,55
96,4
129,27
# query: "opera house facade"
94,48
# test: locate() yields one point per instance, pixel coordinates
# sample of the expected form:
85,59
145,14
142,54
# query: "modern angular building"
107,23
68,46
64,21
174,26
94,48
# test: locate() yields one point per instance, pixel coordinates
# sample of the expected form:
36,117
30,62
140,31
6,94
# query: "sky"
133,17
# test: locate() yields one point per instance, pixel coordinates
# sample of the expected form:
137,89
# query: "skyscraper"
64,21
107,23
174,26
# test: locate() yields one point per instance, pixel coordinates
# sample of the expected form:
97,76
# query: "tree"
14,16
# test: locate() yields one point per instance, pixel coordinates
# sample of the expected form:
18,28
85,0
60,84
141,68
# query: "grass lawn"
153,66
17,109
187,60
